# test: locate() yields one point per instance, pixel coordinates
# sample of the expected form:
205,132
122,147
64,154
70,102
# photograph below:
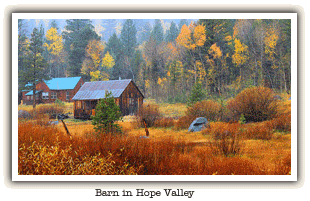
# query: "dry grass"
265,147
45,149
169,110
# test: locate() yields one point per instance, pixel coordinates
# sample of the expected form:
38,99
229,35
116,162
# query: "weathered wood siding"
130,100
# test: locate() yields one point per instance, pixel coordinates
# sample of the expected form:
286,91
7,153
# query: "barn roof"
96,90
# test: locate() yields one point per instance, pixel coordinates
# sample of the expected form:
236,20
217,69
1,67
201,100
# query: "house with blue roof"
48,91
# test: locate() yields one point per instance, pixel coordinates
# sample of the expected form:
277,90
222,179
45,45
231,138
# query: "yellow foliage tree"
54,41
92,59
270,45
191,37
108,61
240,54
99,76
54,45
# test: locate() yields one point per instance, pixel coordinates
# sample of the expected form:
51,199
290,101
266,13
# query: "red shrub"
164,122
206,108
149,113
256,104
260,130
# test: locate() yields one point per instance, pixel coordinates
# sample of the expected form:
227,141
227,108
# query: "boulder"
23,114
198,124
53,122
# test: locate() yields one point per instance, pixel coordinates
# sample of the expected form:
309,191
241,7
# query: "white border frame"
292,177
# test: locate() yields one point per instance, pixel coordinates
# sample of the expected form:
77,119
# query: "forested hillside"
167,59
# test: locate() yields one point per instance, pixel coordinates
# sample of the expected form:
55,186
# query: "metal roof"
96,90
62,83
30,93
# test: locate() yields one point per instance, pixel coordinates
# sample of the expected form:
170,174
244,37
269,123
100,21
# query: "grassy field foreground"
251,149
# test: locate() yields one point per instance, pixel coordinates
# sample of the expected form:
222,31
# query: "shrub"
255,103
149,113
50,109
164,122
259,131
206,108
106,113
226,138
59,102
282,123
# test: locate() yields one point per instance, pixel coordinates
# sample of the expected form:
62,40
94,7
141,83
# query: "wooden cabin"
125,92
47,91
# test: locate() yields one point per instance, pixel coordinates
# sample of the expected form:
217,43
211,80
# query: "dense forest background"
167,59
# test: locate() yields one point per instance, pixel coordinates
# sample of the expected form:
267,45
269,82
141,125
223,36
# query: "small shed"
125,92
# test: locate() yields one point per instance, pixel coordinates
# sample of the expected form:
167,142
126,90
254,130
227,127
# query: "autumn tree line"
218,57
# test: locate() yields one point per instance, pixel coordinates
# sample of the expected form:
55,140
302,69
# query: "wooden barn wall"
130,100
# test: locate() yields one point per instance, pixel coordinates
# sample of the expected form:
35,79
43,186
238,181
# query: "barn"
47,91
125,92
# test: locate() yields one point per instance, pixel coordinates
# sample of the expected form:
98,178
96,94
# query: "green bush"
106,113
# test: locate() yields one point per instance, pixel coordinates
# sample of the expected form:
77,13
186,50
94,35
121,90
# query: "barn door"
133,104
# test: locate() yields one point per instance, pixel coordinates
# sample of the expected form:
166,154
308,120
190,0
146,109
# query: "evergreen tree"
128,38
146,32
34,68
22,43
107,112
182,22
158,32
197,94
110,26
77,34
54,25
172,33
22,49
114,47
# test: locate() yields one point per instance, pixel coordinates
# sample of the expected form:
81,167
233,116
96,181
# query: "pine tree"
114,47
107,112
173,32
197,94
146,32
158,32
77,34
182,22
110,26
128,38
34,68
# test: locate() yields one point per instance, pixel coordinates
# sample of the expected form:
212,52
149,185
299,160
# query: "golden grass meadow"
223,148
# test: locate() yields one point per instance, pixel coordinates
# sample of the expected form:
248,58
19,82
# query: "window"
28,97
68,95
78,104
53,95
45,95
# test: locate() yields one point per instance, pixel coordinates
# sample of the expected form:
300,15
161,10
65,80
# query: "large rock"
198,124
23,114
